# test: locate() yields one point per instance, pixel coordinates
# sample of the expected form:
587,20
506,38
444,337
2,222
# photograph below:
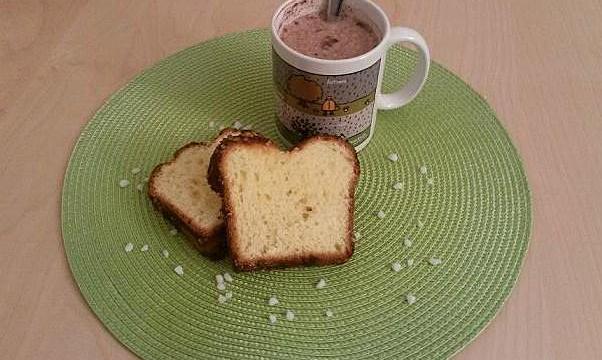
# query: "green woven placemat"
474,215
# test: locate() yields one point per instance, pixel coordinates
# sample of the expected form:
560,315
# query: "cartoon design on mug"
326,96
329,106
304,90
310,104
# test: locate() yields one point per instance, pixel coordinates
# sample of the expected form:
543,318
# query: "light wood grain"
539,63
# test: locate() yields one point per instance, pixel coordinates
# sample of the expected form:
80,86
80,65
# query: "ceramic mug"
338,97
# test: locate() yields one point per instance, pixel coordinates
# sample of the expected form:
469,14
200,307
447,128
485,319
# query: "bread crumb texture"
290,204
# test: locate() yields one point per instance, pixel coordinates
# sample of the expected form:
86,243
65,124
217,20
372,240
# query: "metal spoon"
334,9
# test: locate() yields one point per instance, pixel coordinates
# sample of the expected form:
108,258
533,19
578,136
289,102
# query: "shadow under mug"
338,97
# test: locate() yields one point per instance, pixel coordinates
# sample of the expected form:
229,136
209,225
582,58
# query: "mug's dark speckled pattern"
342,89
307,125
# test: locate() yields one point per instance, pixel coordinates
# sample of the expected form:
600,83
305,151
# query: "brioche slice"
286,208
179,189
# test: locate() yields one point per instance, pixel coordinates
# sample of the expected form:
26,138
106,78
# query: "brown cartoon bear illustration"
305,90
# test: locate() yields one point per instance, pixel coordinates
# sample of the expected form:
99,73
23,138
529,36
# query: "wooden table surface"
538,62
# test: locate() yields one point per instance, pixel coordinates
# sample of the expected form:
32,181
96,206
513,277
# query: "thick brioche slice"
179,189
286,208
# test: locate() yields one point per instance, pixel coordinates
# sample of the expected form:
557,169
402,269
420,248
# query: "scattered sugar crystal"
221,286
173,231
435,261
165,253
407,242
221,127
380,214
423,169
124,183
237,124
398,186
179,270
290,315
393,157
430,181
228,277
219,278
273,300
321,284
357,235
144,248
396,266
211,124
228,295
247,127
139,187
129,247
136,170
410,298
410,262
221,299
329,313
272,318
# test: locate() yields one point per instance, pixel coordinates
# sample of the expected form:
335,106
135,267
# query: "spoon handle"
333,10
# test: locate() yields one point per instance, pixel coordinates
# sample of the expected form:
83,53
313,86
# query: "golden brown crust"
216,180
212,246
210,241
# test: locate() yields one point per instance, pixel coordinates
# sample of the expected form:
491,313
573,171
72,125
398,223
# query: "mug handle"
409,91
